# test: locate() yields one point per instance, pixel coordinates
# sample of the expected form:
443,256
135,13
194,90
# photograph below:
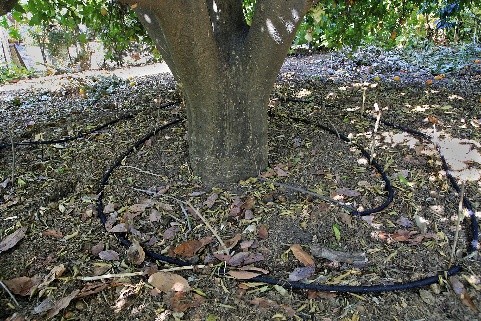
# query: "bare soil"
52,189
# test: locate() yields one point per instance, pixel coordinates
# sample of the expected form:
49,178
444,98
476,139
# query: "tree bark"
227,70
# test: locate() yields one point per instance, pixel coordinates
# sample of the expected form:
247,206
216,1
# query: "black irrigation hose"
292,285
387,183
473,245
81,135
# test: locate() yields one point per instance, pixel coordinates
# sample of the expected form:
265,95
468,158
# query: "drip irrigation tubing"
123,238
474,226
83,134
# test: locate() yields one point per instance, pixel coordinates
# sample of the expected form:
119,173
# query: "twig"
376,126
9,293
110,276
225,249
316,195
139,273
13,156
187,218
458,222
181,268
363,99
197,212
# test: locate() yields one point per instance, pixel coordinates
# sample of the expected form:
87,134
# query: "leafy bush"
13,73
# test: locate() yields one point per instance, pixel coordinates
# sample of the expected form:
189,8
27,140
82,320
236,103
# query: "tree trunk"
227,70
227,129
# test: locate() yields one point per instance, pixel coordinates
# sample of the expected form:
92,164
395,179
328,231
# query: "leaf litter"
256,220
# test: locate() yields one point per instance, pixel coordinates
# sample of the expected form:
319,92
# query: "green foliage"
13,73
331,23
388,23
115,25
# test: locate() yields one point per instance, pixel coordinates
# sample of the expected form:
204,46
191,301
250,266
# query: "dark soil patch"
54,195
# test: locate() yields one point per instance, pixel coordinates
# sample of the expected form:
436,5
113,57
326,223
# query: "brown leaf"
109,208
181,301
303,257
92,288
52,233
254,257
136,253
109,255
211,200
188,248
464,296
238,259
166,281
22,285
301,273
61,304
155,216
281,170
12,239
55,272
96,249
249,203
243,275
139,207
119,228
262,232
170,233
230,243
347,192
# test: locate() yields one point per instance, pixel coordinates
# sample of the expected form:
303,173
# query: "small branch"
181,268
13,156
458,222
9,293
376,126
225,249
187,218
110,276
197,212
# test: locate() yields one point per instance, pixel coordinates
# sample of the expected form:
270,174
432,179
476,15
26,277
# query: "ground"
51,191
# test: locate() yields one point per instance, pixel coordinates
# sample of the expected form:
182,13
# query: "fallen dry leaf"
96,249
12,239
181,301
347,192
62,304
55,272
109,255
243,275
52,233
166,281
269,304
301,273
188,248
459,289
119,228
92,288
136,253
22,285
211,200
303,257
262,232
230,243
358,259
